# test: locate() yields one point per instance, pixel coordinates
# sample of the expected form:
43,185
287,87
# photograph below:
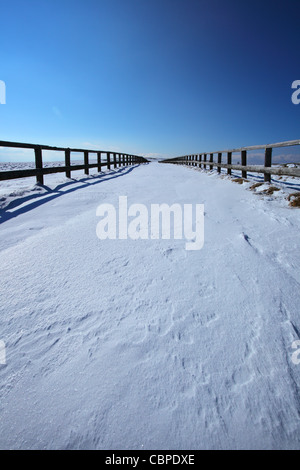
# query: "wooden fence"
112,160
207,161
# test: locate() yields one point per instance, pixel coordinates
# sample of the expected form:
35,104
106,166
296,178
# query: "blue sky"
165,77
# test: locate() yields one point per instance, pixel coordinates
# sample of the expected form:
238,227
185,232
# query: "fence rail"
117,160
207,161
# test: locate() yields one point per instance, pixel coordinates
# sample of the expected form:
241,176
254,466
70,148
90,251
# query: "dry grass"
240,180
256,185
294,199
271,190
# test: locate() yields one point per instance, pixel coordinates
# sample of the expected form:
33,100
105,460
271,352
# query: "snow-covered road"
140,344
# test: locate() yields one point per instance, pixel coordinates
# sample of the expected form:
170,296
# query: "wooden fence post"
39,164
211,159
99,161
244,162
120,160
86,162
123,159
268,163
68,162
229,161
219,161
204,156
108,160
115,160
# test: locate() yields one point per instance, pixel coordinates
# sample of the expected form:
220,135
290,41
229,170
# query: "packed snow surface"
141,344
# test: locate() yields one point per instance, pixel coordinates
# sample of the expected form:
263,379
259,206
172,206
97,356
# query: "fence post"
211,159
86,162
127,160
68,162
229,162
39,164
204,156
219,161
268,163
244,162
123,157
99,161
120,160
108,160
115,160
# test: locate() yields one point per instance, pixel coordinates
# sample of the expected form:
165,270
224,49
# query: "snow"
140,344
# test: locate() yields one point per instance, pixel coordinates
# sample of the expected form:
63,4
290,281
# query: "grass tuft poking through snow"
240,180
255,185
294,199
271,190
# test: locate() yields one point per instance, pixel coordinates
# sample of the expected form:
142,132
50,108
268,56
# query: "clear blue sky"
166,77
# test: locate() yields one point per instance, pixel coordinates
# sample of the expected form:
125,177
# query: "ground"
141,344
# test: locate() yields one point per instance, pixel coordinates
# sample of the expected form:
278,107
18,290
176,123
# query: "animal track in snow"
205,318
242,376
